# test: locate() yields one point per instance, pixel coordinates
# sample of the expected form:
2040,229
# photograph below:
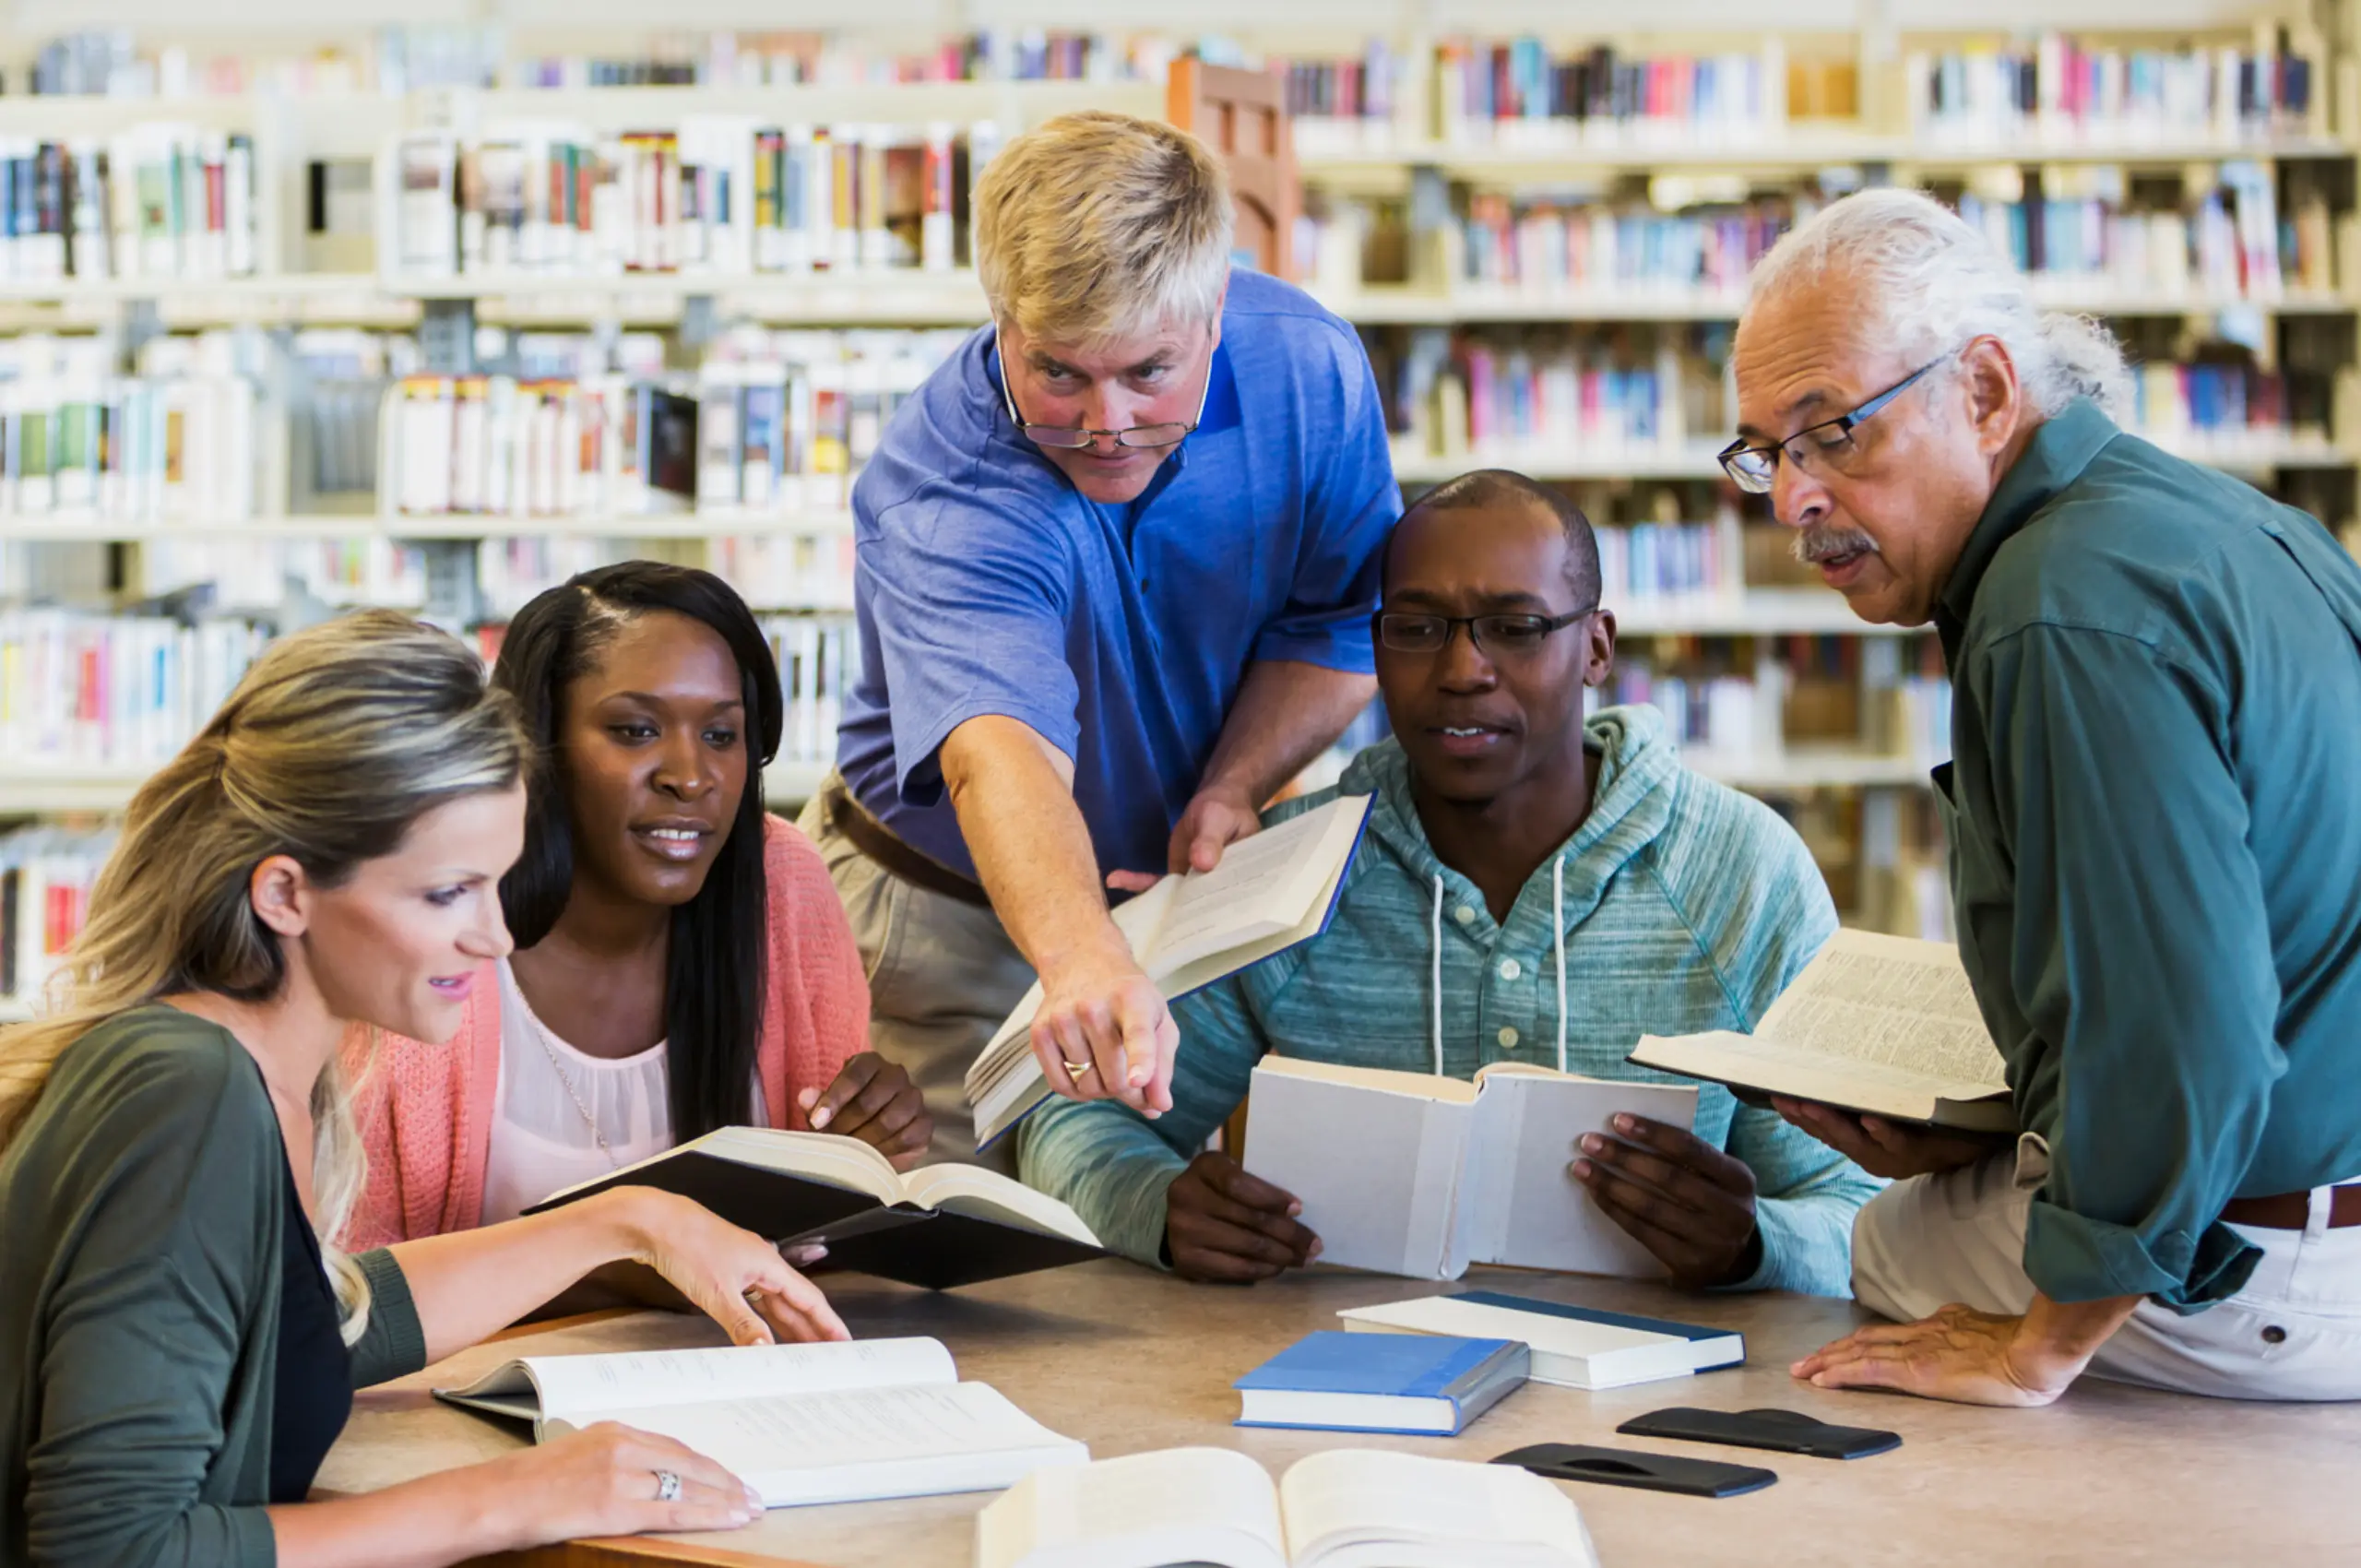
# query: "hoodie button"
1511,968
1464,914
1508,1038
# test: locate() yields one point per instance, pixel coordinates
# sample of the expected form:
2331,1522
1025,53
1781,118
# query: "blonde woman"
174,1140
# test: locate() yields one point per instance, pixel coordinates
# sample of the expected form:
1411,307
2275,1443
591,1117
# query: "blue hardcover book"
1399,1382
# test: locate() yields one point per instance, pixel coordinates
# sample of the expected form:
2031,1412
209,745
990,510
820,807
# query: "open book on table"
1879,1024
1346,1508
1418,1174
1270,892
840,1422
938,1227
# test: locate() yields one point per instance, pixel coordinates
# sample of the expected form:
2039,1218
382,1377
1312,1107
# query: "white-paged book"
1573,1346
1346,1508
1416,1174
1270,892
842,1423
1886,1025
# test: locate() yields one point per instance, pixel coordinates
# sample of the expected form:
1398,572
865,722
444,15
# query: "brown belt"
2292,1211
874,839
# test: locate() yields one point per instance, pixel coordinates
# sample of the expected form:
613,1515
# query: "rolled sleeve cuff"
1136,1228
2071,1257
1330,645
394,1345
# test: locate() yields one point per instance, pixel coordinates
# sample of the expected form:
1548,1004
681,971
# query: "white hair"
1927,282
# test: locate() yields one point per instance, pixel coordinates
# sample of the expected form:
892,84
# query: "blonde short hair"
1092,225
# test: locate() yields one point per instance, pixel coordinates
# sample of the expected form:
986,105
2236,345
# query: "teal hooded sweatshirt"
1678,907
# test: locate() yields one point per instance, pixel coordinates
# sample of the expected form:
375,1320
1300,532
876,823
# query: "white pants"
2293,1332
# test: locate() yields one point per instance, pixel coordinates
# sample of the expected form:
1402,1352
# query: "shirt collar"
2062,448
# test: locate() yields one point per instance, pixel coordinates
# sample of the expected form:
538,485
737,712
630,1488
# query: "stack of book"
2226,240
174,442
1524,398
1603,248
788,419
46,874
819,659
80,690
1520,94
720,195
2061,91
161,200
1344,105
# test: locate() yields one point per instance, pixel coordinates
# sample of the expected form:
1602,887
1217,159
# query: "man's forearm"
1032,848
2075,1330
1287,713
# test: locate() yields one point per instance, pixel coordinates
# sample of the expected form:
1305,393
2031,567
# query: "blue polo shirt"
985,583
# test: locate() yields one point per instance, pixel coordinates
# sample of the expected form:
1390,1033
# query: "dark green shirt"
140,1211
2156,849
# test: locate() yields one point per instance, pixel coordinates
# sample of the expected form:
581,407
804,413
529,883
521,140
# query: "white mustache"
1824,541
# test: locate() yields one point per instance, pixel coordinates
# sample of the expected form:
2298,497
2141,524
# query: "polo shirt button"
1464,913
1507,1037
1511,968
2274,1334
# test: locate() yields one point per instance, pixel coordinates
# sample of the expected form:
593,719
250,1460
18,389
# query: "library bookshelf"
1409,170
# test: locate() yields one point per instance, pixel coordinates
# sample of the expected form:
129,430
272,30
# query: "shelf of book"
1382,306
655,525
1762,612
100,791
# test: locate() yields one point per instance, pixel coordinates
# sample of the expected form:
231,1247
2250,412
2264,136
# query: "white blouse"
549,1099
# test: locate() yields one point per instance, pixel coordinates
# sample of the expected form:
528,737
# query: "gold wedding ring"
1076,1069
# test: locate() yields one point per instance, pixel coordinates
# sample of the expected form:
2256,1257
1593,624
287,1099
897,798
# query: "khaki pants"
943,976
2293,1332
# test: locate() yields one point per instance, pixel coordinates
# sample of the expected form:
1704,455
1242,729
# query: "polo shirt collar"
2062,448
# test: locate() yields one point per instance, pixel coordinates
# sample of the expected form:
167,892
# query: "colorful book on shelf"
1396,1383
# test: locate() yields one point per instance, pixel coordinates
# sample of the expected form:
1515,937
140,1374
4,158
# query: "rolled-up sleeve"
970,619
1350,510
2141,960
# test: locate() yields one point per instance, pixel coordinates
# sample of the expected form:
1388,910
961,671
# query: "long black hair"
715,974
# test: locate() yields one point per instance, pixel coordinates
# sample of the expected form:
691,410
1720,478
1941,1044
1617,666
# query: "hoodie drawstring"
1435,946
1558,924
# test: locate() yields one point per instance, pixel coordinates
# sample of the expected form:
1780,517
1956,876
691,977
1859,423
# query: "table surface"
1127,1360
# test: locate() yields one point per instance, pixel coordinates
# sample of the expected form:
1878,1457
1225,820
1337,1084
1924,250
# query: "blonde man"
1117,561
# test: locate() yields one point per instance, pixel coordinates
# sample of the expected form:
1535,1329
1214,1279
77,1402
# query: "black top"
311,1397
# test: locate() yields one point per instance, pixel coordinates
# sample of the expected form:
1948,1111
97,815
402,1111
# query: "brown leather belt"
2292,1211
874,838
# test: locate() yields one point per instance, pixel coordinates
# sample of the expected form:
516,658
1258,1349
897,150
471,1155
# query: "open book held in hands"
841,1422
1421,1175
937,1227
1346,1508
1879,1024
1270,892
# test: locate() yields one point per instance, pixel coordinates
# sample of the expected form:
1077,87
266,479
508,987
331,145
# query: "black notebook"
938,1228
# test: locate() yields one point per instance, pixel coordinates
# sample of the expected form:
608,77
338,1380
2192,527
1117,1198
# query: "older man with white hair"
2155,849
1117,560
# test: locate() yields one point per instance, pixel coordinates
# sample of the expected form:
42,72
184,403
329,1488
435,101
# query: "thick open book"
938,1227
1881,1024
1270,892
839,1422
1416,1174
1346,1508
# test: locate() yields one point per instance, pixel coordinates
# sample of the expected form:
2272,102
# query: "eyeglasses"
1072,438
1818,448
1405,631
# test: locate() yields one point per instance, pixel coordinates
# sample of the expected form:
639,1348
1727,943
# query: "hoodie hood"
1632,805
1639,765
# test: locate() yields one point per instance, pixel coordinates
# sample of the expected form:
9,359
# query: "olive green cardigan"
140,1213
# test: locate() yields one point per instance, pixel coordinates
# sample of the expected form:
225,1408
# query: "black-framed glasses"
1073,438
1498,635
1814,448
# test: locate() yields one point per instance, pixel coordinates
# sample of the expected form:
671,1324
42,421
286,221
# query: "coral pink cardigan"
426,1111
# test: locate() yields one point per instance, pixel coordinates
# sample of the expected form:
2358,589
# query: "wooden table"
1129,1359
